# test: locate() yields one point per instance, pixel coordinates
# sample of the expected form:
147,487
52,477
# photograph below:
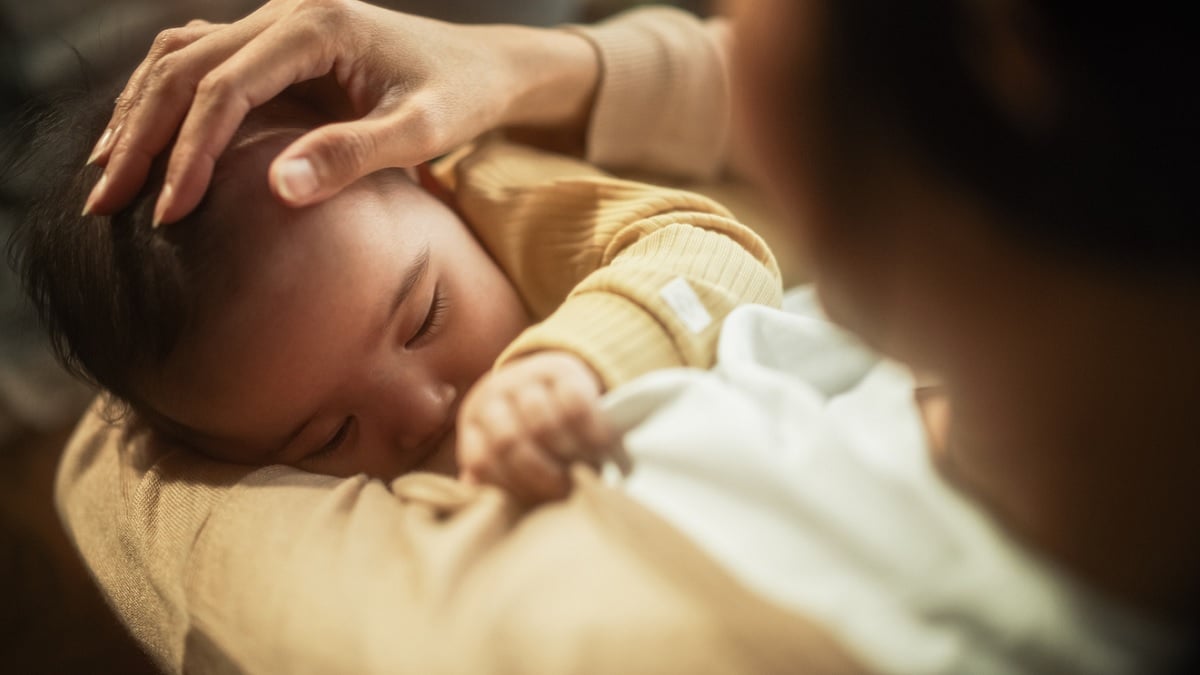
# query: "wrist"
585,370
567,362
553,77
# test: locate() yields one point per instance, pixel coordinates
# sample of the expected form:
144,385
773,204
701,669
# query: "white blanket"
800,463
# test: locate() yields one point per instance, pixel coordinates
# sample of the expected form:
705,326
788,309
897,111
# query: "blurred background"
52,620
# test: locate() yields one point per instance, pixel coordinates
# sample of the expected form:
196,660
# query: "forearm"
555,78
647,90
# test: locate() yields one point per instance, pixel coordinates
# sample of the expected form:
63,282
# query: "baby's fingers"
517,466
483,423
545,423
535,475
474,465
584,420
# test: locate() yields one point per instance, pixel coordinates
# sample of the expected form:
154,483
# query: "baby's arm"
625,277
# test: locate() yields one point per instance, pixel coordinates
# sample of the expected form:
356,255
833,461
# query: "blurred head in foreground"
999,193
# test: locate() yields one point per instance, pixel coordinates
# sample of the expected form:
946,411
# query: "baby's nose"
433,409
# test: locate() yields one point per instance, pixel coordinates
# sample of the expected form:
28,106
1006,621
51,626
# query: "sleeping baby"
467,322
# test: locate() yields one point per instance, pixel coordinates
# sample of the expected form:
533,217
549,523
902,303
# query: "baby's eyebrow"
412,276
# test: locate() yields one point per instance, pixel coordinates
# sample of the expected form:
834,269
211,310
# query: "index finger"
275,59
167,41
154,110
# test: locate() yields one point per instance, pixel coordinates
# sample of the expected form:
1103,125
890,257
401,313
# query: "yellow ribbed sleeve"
630,277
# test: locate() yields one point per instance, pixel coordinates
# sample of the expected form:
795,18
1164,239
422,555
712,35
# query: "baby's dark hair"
115,294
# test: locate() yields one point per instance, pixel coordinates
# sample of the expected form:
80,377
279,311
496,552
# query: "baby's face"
356,327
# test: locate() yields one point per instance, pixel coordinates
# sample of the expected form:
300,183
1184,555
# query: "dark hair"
114,293
1106,181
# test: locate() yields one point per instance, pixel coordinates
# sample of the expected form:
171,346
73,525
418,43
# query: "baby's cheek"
500,318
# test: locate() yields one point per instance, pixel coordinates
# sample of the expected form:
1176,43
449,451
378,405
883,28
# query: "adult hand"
522,425
416,88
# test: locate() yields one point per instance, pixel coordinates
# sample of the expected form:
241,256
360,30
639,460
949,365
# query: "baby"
351,336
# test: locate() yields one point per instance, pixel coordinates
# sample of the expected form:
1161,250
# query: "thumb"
319,164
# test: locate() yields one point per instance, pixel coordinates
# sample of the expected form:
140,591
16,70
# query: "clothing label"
681,297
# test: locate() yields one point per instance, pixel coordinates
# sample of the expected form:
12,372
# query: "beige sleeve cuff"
660,302
663,104
611,333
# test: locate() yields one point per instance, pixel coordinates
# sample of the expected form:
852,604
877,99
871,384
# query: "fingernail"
90,204
297,181
101,146
164,203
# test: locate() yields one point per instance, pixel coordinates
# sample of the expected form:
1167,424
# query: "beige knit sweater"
220,568
628,276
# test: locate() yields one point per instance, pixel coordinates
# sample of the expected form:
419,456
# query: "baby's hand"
522,425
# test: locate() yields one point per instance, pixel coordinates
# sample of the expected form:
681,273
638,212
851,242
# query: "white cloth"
800,463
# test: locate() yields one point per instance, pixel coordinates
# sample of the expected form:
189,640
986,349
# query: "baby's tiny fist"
522,425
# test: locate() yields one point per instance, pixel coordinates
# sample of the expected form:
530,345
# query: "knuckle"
163,68
315,29
543,420
542,430
531,404
123,104
491,454
327,13
423,127
554,439
164,78
544,423
214,87
349,151
190,165
168,41
502,443
575,408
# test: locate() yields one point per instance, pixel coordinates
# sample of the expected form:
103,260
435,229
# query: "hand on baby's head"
337,338
523,424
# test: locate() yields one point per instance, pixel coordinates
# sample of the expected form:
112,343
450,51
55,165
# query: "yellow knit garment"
598,260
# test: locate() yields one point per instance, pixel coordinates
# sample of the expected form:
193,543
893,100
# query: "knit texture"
591,255
664,103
